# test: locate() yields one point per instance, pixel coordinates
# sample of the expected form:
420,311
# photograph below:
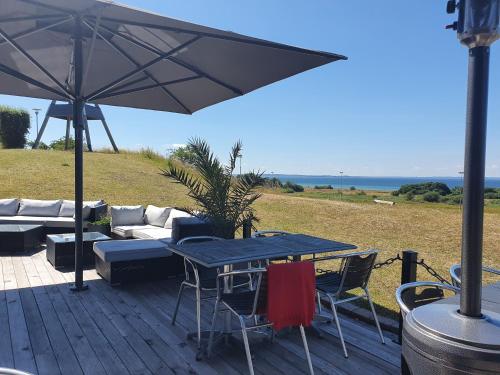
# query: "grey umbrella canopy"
92,51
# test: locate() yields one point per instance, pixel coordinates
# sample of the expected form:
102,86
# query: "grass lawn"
131,178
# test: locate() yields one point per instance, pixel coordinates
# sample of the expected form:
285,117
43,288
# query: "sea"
373,183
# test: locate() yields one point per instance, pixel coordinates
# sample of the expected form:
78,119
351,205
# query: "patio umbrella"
93,51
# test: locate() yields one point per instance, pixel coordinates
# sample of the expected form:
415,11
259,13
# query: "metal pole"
78,107
473,203
408,275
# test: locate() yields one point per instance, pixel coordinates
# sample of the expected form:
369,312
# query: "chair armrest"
98,212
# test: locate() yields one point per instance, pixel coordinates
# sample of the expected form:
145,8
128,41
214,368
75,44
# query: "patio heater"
447,338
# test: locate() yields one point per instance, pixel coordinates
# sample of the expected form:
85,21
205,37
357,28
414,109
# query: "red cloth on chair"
291,289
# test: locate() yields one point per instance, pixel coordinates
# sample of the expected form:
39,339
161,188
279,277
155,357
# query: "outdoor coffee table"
213,254
61,249
22,237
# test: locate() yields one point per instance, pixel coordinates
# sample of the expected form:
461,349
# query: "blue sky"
395,108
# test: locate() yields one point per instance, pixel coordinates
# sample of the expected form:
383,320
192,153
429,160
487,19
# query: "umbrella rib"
235,37
146,87
29,18
146,72
176,61
140,68
35,30
33,61
5,69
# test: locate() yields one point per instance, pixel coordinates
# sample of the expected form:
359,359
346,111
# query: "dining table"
227,253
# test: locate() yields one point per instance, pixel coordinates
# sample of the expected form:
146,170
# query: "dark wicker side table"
20,237
61,249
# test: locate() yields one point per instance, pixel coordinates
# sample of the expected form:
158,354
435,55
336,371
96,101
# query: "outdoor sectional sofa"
140,249
56,216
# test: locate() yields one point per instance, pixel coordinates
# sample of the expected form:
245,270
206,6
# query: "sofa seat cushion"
34,207
9,207
55,222
127,231
126,250
154,233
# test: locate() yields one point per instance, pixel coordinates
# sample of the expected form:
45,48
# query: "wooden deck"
46,329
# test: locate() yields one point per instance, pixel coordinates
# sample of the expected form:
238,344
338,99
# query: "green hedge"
14,127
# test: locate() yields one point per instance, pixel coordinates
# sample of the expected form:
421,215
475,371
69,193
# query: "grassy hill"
134,178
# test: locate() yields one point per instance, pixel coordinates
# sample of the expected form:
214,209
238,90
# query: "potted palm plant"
222,198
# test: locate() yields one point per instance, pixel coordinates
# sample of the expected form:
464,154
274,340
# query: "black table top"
490,298
18,228
219,253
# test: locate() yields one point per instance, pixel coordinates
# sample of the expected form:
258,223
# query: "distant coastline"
373,183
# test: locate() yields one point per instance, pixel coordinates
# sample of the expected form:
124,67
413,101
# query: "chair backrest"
408,298
269,233
356,270
456,273
195,271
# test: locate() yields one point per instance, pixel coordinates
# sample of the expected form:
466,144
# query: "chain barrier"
387,262
398,257
432,272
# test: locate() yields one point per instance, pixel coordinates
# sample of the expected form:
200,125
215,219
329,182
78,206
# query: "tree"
14,127
184,154
225,200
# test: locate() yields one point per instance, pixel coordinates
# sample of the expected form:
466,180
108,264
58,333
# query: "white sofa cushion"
127,215
34,207
154,233
93,203
127,230
9,207
67,208
126,250
173,214
156,216
57,222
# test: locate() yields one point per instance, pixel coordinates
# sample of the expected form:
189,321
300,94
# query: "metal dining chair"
408,298
202,279
246,307
353,274
456,273
271,233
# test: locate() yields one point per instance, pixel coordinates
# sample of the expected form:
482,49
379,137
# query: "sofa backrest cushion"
127,215
156,216
67,208
93,203
33,207
183,227
9,207
174,213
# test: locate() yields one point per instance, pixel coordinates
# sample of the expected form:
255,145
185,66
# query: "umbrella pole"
473,205
78,107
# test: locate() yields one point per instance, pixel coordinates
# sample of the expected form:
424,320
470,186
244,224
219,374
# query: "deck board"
46,329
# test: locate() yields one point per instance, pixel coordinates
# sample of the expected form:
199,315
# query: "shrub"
425,187
272,183
431,196
410,196
60,144
453,199
151,154
361,193
329,187
184,154
492,195
395,193
295,187
14,127
288,190
352,188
